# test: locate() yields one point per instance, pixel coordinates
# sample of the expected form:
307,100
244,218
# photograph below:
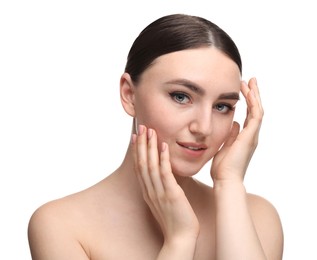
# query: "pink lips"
193,149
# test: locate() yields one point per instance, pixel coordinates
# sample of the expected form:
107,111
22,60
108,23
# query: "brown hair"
177,32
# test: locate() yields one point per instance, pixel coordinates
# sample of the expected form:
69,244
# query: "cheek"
165,127
224,131
152,110
161,121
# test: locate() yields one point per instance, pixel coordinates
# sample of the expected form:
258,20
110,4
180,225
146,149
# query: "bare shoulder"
75,226
268,225
51,231
263,211
59,228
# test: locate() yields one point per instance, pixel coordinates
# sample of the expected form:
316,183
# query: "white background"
62,127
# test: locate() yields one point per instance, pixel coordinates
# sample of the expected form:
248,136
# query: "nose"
201,123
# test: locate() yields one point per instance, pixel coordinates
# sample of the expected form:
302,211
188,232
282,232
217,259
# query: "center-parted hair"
177,32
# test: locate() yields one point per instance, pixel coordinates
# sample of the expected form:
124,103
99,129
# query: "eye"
180,97
224,108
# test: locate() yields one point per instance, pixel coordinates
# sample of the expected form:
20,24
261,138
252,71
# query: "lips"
193,146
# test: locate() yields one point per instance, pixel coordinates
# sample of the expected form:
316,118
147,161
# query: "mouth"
193,146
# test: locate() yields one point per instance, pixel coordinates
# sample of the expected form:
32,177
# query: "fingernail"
141,129
244,83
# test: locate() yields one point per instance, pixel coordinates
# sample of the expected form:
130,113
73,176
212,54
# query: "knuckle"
151,167
152,196
140,162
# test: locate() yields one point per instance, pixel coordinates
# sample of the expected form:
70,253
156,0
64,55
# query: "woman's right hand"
165,198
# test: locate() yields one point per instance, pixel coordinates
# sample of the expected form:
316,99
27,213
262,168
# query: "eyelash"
228,106
176,94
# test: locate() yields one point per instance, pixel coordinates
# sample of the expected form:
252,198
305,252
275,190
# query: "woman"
181,84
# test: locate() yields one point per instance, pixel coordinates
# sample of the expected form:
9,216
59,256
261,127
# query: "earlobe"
127,94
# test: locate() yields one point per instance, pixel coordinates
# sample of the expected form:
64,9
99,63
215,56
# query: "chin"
185,171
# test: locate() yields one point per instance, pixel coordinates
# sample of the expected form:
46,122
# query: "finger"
254,107
254,86
135,159
142,160
253,97
254,117
153,162
245,89
167,176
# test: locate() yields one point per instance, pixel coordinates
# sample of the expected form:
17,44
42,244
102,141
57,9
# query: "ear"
127,94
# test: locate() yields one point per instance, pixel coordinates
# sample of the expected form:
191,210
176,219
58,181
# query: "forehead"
206,66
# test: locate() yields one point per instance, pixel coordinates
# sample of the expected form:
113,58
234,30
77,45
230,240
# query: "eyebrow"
231,95
197,89
188,84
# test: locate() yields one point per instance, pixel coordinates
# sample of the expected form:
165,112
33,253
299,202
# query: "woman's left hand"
232,160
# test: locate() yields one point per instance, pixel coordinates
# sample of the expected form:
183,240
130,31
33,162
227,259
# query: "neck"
127,176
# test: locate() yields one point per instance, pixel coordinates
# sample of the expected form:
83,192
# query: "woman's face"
188,97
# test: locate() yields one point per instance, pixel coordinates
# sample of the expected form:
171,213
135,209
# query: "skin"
151,207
